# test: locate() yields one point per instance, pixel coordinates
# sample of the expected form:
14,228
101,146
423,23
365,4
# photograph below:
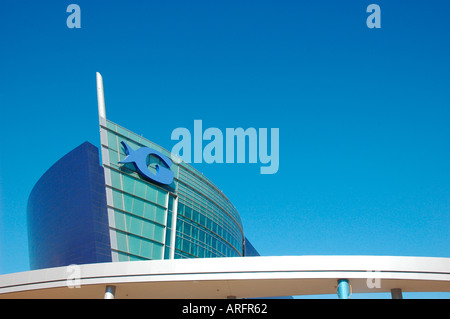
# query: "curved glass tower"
66,213
190,217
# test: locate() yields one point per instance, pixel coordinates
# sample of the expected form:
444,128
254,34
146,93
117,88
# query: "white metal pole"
100,96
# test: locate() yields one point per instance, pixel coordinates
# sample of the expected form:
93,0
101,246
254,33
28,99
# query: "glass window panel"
122,131
128,184
195,216
194,250
166,252
121,241
168,236
160,215
115,179
157,251
180,225
161,199
185,246
134,245
203,220
188,212
113,157
138,207
119,219
180,209
123,257
159,149
209,240
139,189
136,226
146,249
135,258
148,230
128,202
195,232
169,219
187,229
202,236
112,141
209,223
143,141
128,221
110,125
117,199
178,243
149,211
151,193
159,233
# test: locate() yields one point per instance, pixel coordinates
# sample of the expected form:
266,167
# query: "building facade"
141,203
66,214
190,217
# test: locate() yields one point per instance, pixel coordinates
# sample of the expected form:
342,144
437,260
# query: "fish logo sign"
139,158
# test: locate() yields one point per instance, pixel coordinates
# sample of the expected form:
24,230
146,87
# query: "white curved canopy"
240,277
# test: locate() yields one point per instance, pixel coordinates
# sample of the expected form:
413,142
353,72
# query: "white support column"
166,212
110,292
174,227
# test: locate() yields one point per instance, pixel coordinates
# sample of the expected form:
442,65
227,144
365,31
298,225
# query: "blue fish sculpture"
139,158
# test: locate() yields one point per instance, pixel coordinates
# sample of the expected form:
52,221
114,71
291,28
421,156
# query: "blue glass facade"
83,212
67,219
189,218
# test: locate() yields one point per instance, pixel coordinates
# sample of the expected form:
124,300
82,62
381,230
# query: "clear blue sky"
363,113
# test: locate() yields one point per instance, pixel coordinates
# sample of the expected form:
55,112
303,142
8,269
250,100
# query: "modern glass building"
190,217
141,203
